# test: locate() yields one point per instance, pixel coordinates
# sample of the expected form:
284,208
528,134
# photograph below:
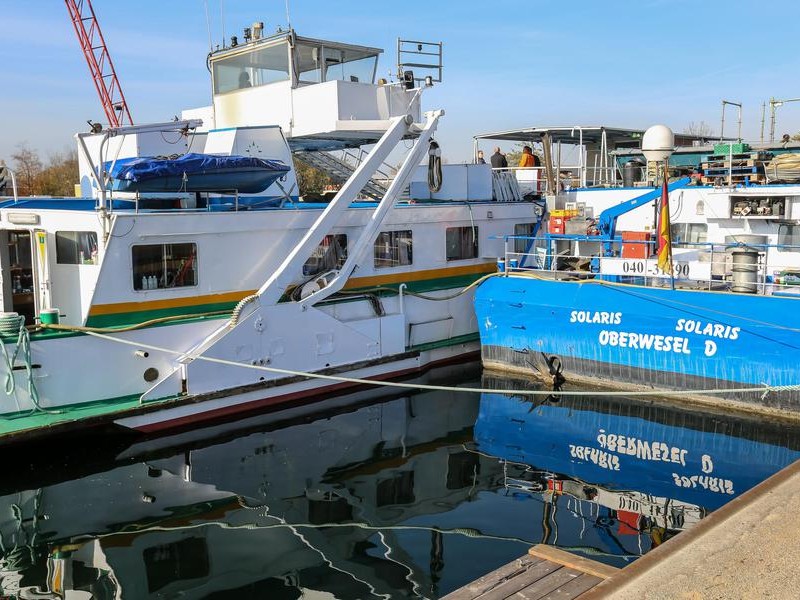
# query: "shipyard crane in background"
99,60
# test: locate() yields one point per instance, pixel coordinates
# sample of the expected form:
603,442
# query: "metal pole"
13,184
774,104
772,108
739,132
722,126
669,232
763,118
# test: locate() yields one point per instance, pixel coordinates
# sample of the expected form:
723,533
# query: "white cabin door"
42,270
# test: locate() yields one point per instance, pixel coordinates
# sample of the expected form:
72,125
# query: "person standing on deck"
498,159
480,160
528,159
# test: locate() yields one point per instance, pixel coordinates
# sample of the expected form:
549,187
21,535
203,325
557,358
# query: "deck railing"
769,269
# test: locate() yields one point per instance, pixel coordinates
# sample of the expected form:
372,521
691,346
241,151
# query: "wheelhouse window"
316,62
393,249
161,266
329,255
689,233
76,247
252,68
462,242
521,246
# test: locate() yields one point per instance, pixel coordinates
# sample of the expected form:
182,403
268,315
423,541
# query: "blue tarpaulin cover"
195,172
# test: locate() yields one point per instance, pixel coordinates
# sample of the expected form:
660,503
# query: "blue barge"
723,322
656,336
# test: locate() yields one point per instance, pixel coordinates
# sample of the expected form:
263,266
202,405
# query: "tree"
700,129
309,179
60,175
27,166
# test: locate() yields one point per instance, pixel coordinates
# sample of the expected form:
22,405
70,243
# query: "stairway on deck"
340,170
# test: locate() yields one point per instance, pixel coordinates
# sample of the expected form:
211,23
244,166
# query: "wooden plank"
745,156
542,588
572,561
573,589
533,574
723,164
491,580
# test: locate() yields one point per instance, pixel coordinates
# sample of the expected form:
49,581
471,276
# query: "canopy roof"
591,134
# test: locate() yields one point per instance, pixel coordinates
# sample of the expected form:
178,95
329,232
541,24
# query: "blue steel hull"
664,338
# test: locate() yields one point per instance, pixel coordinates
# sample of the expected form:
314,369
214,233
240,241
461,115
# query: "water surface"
372,495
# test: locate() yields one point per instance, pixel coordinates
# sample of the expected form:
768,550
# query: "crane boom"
97,57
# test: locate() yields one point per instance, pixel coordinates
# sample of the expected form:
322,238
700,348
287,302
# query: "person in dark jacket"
498,160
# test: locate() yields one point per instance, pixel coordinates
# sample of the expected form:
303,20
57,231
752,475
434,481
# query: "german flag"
664,237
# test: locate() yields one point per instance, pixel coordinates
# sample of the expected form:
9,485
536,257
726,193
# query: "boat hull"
658,337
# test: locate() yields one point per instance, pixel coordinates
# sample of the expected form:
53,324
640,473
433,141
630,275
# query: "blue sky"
508,64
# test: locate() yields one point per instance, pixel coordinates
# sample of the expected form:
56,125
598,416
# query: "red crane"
99,60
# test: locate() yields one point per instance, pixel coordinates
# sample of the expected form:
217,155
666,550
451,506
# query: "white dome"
658,143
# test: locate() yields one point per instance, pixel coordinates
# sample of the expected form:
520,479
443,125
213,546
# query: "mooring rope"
761,389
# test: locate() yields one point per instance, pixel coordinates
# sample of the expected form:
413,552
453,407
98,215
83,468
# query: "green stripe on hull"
428,285
453,341
132,318
27,421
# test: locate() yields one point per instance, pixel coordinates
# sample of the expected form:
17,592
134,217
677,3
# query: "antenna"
288,20
222,19
208,26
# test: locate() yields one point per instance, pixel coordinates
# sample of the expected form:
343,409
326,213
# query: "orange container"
632,246
556,225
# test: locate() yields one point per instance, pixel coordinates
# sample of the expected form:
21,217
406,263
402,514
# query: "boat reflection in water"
372,495
621,477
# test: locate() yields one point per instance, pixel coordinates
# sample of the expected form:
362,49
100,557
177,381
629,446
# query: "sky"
508,64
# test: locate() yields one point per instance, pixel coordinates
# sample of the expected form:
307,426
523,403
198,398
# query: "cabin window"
393,249
251,69
462,242
789,235
315,63
329,255
160,266
76,247
308,64
521,246
689,233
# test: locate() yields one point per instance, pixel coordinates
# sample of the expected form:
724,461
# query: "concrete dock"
749,548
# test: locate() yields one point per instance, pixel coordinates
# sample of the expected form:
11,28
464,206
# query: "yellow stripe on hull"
232,297
412,276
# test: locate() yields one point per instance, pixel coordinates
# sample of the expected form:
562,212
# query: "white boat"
180,307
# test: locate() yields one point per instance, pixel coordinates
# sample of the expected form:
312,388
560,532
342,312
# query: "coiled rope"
434,167
22,351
